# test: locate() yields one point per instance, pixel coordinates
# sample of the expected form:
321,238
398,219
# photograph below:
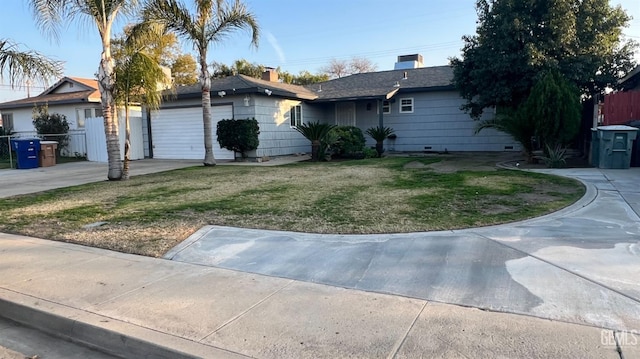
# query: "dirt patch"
465,161
414,165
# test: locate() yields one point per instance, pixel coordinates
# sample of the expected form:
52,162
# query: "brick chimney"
270,74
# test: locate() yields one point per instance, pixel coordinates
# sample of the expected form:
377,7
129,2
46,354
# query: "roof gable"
72,84
67,90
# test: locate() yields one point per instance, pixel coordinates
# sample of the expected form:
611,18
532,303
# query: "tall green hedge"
238,135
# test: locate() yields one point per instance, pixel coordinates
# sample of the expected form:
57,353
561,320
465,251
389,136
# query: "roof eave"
46,102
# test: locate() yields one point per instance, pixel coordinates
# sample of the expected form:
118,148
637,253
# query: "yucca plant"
379,134
315,132
555,157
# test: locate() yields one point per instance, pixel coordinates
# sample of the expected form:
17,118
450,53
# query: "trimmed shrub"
50,124
349,141
238,135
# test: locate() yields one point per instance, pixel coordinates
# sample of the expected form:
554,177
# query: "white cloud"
276,46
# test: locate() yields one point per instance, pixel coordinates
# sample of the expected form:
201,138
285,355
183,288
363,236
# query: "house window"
7,121
296,116
386,107
98,112
87,113
406,105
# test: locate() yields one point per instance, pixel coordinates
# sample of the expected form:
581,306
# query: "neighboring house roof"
384,84
87,92
632,80
241,84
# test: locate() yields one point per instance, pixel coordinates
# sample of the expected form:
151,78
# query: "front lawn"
150,214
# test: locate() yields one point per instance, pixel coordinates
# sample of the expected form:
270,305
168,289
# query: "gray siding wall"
436,124
277,137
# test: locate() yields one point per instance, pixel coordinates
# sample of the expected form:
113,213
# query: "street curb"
101,333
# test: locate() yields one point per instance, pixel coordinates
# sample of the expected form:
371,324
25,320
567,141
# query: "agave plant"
315,132
556,157
379,134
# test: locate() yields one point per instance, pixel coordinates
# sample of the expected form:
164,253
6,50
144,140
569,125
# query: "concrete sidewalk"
137,306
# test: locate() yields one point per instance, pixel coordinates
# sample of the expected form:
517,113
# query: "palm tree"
317,133
379,134
139,78
212,22
50,16
26,65
515,123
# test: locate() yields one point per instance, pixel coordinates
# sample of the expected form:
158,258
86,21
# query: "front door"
346,113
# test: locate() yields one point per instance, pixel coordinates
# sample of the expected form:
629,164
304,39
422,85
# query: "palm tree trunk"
379,148
106,83
315,151
127,142
205,81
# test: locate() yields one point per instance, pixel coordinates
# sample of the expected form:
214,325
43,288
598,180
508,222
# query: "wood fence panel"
621,107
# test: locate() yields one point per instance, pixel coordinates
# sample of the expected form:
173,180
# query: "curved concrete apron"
580,265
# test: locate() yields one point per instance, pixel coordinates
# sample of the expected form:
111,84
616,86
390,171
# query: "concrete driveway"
579,265
14,182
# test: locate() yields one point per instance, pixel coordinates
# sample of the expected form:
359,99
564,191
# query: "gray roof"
371,85
384,84
632,79
241,84
86,92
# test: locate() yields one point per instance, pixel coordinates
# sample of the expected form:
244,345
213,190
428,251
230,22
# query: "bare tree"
360,65
336,68
340,68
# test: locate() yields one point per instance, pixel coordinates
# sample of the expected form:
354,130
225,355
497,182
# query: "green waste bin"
615,144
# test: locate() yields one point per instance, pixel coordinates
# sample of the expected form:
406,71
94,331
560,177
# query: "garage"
176,133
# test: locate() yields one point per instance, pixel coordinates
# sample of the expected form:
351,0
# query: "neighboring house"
74,97
78,99
420,104
623,106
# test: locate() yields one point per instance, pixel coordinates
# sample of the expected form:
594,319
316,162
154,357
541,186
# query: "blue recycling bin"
27,152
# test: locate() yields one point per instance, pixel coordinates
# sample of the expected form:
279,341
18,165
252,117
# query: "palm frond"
379,133
174,15
314,131
231,18
50,15
25,65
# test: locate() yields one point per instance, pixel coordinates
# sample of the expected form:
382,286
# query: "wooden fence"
621,107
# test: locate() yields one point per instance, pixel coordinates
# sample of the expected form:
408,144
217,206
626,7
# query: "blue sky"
296,34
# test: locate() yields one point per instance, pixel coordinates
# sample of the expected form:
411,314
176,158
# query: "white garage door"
177,133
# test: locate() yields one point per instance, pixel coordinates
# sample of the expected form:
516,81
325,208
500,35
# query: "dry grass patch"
150,214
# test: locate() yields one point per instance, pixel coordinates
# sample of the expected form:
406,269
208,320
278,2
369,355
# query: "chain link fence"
71,145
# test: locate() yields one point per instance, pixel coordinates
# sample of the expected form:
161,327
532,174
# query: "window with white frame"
406,105
386,106
7,121
295,115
